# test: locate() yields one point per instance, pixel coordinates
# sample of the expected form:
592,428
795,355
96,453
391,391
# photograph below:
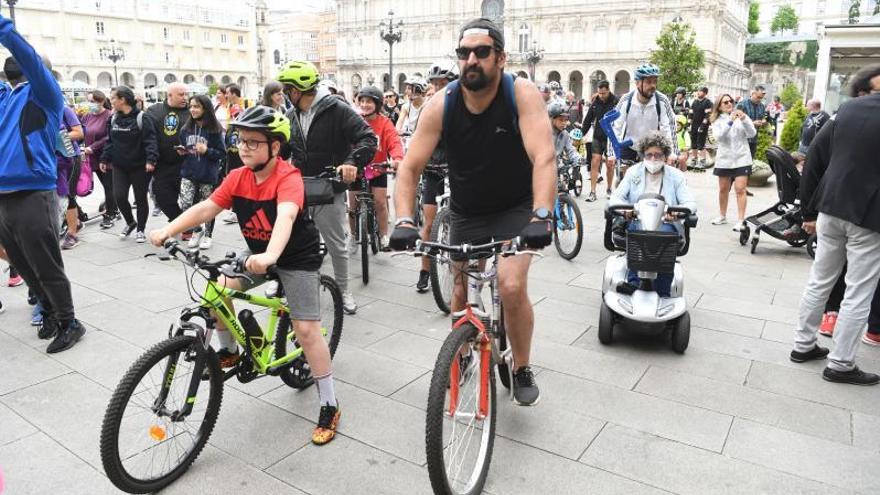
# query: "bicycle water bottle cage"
606,123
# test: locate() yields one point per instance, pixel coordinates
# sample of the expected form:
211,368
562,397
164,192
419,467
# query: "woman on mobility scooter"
644,218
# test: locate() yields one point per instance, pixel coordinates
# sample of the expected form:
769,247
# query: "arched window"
524,33
277,56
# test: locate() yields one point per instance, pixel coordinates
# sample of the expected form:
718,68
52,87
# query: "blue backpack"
453,93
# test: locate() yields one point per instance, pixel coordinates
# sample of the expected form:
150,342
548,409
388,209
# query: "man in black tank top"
502,177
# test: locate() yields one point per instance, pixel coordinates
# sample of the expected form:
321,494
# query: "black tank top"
489,170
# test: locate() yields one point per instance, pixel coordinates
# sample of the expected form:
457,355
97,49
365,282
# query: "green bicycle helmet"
299,74
646,70
270,122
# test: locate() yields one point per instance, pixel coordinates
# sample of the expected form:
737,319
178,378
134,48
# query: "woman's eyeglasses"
464,53
655,156
727,102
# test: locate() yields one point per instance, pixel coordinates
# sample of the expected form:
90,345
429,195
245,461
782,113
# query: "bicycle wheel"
577,180
568,228
142,448
298,375
459,444
374,233
440,270
501,342
364,228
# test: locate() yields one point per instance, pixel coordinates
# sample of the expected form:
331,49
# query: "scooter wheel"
754,245
606,324
681,333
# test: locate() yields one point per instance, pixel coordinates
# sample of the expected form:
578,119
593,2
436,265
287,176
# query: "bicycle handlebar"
504,248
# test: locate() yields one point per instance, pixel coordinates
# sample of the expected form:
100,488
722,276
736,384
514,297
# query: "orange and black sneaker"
227,358
327,422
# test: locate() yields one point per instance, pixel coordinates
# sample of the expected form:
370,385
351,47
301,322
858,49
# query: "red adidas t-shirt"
256,206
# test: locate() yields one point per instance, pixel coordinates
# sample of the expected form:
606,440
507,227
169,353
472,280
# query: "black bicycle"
366,223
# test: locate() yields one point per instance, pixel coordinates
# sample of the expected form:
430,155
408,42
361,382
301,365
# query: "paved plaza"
731,415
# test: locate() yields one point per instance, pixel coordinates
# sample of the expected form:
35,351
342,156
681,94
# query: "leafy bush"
791,133
765,140
790,94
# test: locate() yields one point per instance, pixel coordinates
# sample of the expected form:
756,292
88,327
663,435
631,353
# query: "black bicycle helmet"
680,90
441,70
555,109
270,122
373,93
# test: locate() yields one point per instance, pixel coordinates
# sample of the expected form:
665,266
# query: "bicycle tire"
567,204
436,415
444,301
363,227
577,181
374,233
501,338
114,415
298,375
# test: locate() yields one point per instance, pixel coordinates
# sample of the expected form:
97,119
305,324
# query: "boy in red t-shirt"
267,195
369,100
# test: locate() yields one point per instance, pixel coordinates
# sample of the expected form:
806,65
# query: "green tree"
876,8
754,15
810,58
791,133
679,58
768,53
765,140
790,95
786,19
213,88
854,7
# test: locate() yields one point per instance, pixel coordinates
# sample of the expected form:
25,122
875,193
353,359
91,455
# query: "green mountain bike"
164,409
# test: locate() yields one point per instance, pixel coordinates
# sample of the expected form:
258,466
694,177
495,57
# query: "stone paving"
732,415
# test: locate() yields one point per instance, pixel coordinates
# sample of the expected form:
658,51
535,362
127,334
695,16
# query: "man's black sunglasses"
464,53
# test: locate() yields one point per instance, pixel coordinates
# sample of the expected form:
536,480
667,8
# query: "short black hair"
760,87
125,93
704,89
12,70
861,80
234,89
603,84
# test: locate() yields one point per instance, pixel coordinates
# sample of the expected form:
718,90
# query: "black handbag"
319,191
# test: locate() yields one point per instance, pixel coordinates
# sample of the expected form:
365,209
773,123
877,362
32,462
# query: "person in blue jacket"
30,110
201,143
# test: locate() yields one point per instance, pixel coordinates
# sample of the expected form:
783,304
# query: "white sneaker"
719,221
195,240
348,305
206,243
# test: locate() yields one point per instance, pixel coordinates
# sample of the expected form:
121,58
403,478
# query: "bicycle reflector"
157,433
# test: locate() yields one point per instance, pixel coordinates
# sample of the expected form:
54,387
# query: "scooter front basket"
651,251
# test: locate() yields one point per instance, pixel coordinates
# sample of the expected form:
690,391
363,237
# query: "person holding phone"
733,162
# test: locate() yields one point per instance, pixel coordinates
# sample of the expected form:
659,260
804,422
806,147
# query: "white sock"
227,340
326,394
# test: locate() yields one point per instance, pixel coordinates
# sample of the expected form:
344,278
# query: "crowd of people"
193,157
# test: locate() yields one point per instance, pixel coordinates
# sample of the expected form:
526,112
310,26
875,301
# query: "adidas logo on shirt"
258,227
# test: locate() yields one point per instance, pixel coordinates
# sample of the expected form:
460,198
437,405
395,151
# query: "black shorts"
434,186
732,172
480,229
600,146
698,140
380,182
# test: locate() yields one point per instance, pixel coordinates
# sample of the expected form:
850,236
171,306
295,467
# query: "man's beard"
646,96
480,81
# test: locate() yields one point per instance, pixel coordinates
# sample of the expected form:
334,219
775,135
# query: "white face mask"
654,166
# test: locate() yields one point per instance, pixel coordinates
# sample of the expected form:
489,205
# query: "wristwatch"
541,214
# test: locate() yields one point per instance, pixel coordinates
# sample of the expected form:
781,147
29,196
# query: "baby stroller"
783,220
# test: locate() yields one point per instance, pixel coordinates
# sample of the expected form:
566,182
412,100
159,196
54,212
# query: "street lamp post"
114,54
11,4
390,32
532,57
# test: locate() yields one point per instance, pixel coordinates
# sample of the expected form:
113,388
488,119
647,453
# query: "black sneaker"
525,391
814,354
328,420
749,194
853,377
127,230
424,281
32,298
67,337
49,328
108,221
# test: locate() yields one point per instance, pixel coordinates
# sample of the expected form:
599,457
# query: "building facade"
304,36
162,41
584,41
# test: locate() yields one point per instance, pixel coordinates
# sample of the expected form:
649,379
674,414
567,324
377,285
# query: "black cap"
484,26
11,69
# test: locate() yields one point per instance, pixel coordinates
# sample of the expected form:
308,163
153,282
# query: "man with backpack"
502,176
29,222
642,110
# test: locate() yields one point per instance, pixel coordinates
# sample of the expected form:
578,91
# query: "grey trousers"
840,242
332,223
29,233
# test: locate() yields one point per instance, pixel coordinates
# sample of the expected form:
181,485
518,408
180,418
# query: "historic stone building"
162,40
584,41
